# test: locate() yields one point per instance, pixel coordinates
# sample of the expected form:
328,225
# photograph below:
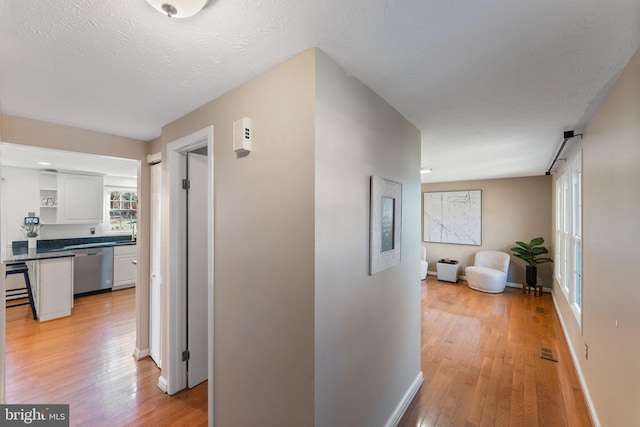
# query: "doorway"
176,324
196,273
27,187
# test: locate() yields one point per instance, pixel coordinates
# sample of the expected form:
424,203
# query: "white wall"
21,195
367,328
119,181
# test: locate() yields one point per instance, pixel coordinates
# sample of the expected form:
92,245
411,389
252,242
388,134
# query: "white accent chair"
424,265
489,272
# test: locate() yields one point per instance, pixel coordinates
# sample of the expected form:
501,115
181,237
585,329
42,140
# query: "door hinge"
186,355
186,184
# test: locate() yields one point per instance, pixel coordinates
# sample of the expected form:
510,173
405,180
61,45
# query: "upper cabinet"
69,198
80,198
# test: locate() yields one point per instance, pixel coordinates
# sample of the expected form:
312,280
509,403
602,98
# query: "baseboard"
583,383
140,354
395,417
509,284
520,286
162,384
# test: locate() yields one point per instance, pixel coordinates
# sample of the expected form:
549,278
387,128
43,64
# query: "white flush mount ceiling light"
178,8
425,170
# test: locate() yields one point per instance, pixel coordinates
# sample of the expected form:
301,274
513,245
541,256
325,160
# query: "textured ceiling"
492,85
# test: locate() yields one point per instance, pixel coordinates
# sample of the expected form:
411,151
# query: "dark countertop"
61,248
36,255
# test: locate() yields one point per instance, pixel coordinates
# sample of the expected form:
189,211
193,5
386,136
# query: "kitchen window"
122,206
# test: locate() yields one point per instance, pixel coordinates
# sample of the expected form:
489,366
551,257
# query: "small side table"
448,270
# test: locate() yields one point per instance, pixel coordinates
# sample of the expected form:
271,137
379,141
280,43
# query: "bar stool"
20,293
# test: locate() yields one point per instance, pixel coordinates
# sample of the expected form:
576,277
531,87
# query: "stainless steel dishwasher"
92,270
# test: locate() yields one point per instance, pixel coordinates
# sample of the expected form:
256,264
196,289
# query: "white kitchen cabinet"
70,198
52,280
124,270
80,199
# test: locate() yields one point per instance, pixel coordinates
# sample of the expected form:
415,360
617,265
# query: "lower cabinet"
52,280
124,269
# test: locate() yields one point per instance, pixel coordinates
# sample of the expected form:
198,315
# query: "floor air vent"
547,353
541,310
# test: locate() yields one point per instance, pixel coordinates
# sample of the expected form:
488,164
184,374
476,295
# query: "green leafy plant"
530,252
31,230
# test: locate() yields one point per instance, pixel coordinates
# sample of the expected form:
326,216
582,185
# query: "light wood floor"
482,366
480,359
86,361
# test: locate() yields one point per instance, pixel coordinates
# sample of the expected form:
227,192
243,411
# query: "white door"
197,269
155,336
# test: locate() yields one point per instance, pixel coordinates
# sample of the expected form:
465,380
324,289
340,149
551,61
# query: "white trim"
211,277
173,371
140,354
162,384
568,226
106,208
574,357
397,414
521,285
154,158
509,284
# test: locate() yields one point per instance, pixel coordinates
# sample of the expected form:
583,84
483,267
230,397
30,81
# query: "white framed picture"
385,226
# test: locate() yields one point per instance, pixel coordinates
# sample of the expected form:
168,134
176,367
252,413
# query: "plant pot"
532,276
33,242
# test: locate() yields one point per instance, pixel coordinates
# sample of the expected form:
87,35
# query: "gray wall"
367,328
512,209
611,236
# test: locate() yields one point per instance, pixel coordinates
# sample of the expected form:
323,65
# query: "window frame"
569,247
106,224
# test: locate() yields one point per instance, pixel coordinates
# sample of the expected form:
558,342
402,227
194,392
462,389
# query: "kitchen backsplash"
69,231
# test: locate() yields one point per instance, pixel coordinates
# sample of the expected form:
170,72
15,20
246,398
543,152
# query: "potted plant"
31,231
531,253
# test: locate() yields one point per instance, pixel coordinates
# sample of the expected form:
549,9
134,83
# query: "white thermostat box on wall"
242,135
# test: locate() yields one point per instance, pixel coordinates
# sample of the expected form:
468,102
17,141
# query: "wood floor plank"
86,361
480,359
482,366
